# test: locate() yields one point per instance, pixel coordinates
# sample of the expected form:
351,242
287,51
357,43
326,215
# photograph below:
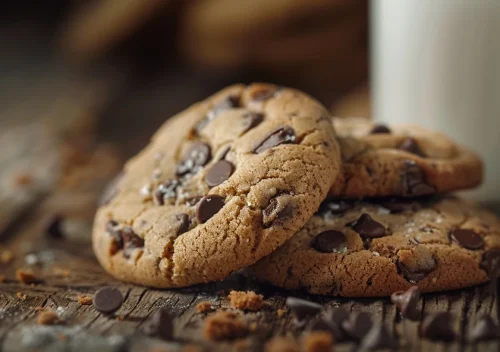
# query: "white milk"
437,63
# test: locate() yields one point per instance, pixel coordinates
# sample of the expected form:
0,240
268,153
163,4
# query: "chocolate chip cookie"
362,249
221,185
404,160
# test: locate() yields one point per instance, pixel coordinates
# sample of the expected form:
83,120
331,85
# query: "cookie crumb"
2,278
224,325
204,307
25,276
84,300
6,257
246,300
121,317
281,344
23,179
47,317
21,296
281,312
318,341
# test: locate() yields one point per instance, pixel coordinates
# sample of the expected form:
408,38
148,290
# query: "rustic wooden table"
52,164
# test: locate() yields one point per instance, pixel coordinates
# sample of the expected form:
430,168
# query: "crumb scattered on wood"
281,344
21,296
252,327
48,317
121,317
280,312
204,307
318,341
23,179
25,276
246,300
6,257
84,300
224,326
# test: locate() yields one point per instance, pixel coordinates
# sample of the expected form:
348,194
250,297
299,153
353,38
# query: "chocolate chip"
407,302
410,145
491,262
160,325
218,173
467,238
113,229
108,300
335,207
197,156
330,242
357,325
378,129
413,181
437,326
278,209
301,308
54,226
396,206
377,338
131,241
183,223
111,190
367,227
283,135
251,120
208,206
484,330
165,192
263,93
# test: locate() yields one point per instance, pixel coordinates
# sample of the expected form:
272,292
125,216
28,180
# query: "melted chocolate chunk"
358,325
197,156
377,338
131,240
278,209
251,120
467,238
283,135
160,325
437,327
108,300
218,173
484,330
410,145
413,182
491,263
366,227
330,242
111,190
208,206
407,302
302,308
183,223
379,129
166,191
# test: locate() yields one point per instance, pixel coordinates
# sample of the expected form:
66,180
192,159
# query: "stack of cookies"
262,178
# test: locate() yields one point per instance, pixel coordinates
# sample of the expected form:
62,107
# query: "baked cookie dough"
220,186
403,160
361,249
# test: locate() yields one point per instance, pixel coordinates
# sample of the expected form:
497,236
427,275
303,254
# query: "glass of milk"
437,63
